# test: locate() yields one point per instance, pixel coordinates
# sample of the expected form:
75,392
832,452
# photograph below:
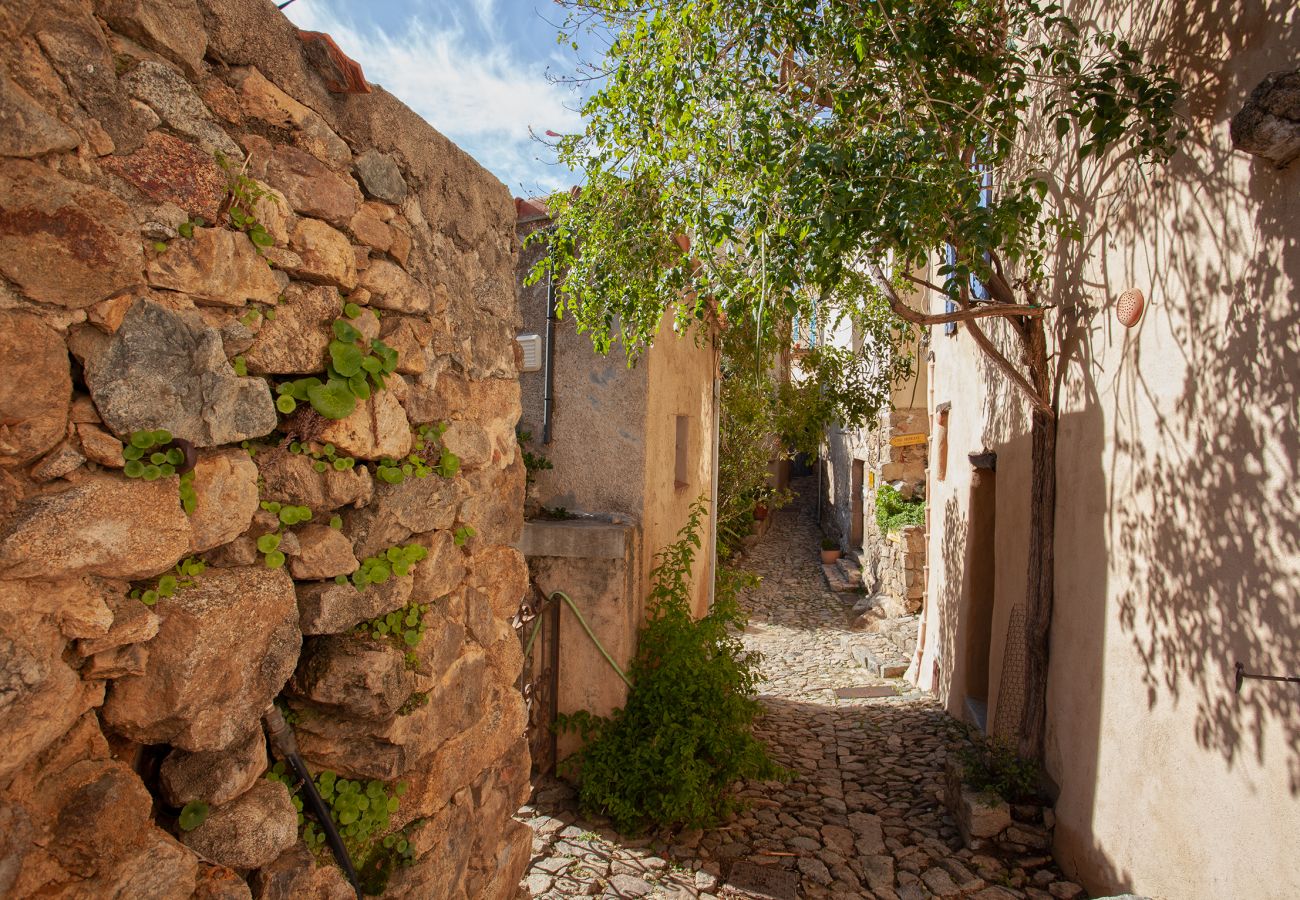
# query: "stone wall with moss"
257,400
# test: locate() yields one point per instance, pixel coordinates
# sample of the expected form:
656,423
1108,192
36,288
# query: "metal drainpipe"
548,399
713,489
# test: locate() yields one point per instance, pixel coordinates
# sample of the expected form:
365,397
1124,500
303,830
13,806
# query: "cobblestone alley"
863,817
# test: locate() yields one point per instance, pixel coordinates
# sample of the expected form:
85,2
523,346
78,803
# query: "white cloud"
470,84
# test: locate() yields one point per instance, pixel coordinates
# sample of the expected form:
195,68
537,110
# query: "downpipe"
286,746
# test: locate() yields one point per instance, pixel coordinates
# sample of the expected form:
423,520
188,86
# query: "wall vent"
531,345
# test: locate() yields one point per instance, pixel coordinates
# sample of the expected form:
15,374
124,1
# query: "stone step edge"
879,663
837,582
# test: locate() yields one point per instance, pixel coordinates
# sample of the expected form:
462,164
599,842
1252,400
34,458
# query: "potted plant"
830,551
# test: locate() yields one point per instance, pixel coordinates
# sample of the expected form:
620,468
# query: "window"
681,456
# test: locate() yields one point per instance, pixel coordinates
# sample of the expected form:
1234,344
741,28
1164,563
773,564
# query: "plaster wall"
681,371
1176,528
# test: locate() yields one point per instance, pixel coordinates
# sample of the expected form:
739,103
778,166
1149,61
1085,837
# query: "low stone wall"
192,222
900,568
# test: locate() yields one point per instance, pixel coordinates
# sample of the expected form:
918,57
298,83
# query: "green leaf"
346,357
286,404
142,440
274,559
193,814
345,331
162,436
133,469
333,400
268,542
351,310
359,387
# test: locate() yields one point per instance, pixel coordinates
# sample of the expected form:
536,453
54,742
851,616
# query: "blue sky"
475,69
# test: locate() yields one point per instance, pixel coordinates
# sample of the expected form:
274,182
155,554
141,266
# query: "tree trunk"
1039,588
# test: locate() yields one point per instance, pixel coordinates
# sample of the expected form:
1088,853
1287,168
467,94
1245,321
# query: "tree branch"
1037,400
968,315
916,317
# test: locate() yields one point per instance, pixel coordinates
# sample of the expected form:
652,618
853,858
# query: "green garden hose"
528,647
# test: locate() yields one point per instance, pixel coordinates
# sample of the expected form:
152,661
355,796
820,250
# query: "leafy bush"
893,512
991,765
670,756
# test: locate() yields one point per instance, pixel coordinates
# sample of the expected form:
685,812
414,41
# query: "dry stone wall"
193,225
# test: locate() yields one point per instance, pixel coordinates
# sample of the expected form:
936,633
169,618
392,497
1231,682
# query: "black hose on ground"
286,746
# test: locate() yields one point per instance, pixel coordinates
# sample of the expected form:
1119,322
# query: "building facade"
1177,528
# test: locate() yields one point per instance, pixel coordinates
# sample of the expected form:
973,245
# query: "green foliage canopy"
793,139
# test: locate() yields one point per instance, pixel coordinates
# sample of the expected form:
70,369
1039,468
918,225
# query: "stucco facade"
1177,552
630,446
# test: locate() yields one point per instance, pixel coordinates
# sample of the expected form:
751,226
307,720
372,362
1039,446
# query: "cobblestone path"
862,817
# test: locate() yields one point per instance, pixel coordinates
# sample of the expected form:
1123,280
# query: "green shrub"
671,755
992,765
893,512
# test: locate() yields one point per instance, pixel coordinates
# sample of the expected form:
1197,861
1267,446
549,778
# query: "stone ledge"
575,539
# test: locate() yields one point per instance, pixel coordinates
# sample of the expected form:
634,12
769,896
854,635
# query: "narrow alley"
862,816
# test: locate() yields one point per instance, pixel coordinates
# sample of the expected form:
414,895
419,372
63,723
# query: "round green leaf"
142,440
333,400
346,358
194,814
133,469
268,542
274,559
286,404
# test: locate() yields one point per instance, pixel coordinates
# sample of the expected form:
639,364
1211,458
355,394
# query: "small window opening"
681,458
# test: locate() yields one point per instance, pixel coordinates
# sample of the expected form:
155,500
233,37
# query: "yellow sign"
907,440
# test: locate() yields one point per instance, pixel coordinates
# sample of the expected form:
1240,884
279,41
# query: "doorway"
981,569
856,506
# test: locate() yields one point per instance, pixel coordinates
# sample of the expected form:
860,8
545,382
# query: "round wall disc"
1128,309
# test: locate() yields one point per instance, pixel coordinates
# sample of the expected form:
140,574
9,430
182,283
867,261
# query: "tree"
817,148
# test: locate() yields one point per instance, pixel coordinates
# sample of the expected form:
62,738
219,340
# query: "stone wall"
191,217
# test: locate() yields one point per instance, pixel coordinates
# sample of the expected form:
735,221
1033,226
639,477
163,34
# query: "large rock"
169,170
248,832
42,696
375,429
35,387
412,338
294,875
297,340
357,677
292,478
391,288
76,46
263,100
62,242
25,128
167,93
173,28
398,511
103,525
380,176
225,648
220,883
442,571
325,254
217,265
323,552
312,187
329,608
225,487
166,369
100,446
392,746
213,776
1268,125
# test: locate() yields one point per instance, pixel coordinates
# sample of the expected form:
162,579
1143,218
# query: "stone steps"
843,576
875,654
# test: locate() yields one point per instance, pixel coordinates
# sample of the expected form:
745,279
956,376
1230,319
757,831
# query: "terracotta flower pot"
760,511
829,556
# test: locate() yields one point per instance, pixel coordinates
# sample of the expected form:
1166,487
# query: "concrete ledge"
575,539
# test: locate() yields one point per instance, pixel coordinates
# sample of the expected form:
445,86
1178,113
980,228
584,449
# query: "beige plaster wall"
1177,524
681,371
